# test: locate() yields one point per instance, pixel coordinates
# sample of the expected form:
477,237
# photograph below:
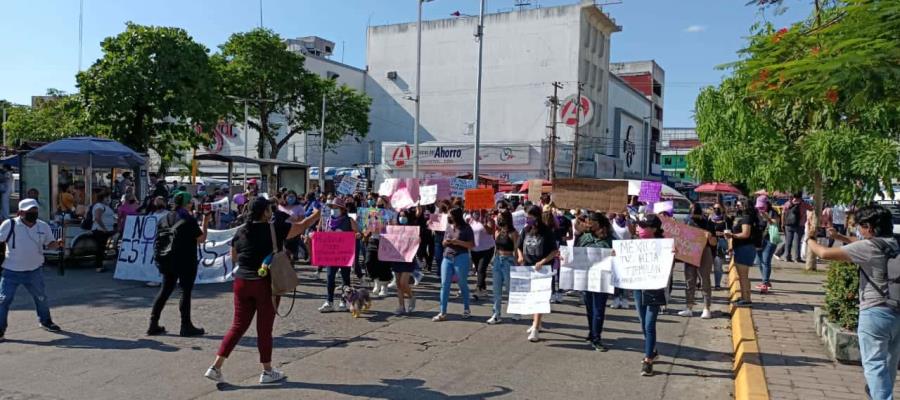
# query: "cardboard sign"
689,240
437,222
348,185
479,199
650,191
458,186
400,244
428,194
333,249
643,264
535,187
373,219
592,194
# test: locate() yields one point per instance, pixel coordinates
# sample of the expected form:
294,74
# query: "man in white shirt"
25,238
103,227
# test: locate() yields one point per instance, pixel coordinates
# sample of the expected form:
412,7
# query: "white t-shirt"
108,215
838,215
621,232
25,250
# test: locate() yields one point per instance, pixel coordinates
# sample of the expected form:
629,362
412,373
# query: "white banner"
643,264
427,194
529,290
220,205
401,156
136,260
586,269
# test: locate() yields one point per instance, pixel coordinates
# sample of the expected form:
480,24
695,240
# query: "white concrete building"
525,51
648,78
627,142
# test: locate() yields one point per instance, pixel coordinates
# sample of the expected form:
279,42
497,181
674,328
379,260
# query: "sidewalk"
797,366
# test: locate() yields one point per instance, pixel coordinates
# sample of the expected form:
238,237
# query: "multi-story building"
676,144
650,79
627,141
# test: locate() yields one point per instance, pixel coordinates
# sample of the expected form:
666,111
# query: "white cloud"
695,28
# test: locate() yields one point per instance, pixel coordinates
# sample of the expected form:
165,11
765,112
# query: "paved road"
103,354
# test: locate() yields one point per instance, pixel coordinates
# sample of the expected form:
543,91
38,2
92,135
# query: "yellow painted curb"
749,375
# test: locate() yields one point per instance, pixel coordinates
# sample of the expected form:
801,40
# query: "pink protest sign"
400,244
689,241
437,222
333,249
402,199
443,186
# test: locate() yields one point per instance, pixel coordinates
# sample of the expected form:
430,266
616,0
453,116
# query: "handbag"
281,271
774,234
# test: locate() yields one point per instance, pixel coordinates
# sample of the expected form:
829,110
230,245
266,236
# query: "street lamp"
479,37
418,89
332,76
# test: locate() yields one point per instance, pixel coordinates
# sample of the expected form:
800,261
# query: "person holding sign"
339,222
458,240
378,271
648,302
505,239
483,227
253,287
693,273
596,231
745,239
537,246
403,270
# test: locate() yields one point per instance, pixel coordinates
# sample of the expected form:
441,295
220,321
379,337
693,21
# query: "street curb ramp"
749,374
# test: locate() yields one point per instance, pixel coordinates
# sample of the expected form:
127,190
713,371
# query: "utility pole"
577,135
479,35
554,105
418,99
331,76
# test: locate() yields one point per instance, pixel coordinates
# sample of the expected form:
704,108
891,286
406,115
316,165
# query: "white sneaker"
530,329
533,336
686,313
215,375
412,305
153,284
439,318
342,307
777,258
383,292
417,277
706,314
495,319
271,376
326,308
393,284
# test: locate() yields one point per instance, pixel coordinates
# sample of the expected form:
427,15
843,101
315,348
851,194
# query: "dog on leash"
357,300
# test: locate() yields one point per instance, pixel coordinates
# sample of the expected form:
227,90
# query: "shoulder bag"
281,271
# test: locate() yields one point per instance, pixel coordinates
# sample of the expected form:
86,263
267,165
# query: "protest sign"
650,191
689,240
593,194
642,264
535,188
402,199
427,194
586,269
333,249
459,186
373,219
362,186
529,290
348,185
519,218
399,243
479,199
220,205
437,222
663,206
443,186
136,259
388,187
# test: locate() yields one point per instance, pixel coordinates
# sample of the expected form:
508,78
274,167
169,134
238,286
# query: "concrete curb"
749,374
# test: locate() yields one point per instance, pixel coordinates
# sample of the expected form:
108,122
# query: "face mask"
31,217
381,206
644,233
336,212
403,220
291,200
476,215
529,222
718,211
371,203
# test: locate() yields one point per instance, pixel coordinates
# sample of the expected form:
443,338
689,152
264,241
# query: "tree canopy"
57,117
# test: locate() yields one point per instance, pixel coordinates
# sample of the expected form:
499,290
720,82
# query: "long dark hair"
878,218
457,219
539,227
604,223
505,221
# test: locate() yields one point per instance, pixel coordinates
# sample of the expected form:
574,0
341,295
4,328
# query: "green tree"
58,117
152,88
810,106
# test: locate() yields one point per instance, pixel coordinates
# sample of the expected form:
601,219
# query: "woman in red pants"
253,289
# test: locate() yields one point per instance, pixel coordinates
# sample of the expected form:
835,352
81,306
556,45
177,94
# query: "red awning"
717,187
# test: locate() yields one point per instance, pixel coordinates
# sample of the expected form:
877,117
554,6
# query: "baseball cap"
28,204
761,201
183,195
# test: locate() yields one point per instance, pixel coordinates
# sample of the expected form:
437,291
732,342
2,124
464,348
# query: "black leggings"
184,277
481,260
376,268
102,239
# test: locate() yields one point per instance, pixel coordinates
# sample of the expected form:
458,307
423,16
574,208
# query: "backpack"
890,275
793,215
164,245
11,235
88,222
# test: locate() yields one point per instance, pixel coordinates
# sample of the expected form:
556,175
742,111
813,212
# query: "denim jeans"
647,315
765,260
460,265
332,275
793,236
879,348
34,283
595,308
717,271
501,278
438,249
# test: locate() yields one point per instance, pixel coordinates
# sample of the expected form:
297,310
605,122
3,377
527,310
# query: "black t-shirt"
565,226
464,234
253,244
184,244
738,228
536,245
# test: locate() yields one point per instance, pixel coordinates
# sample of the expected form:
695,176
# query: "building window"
586,32
601,45
659,113
657,88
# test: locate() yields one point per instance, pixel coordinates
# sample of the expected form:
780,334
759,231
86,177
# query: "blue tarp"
88,151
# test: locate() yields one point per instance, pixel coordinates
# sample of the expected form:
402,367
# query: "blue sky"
688,38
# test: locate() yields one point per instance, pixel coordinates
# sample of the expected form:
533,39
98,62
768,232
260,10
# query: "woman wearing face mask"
458,240
649,302
425,253
403,271
483,227
291,206
443,208
720,224
339,222
595,233
693,273
538,247
622,229
745,240
378,271
505,239
767,216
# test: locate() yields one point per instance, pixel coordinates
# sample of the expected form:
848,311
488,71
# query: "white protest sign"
643,264
529,290
388,187
219,205
348,185
427,194
586,269
136,258
519,218
458,186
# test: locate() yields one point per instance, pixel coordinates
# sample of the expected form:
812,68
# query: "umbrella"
88,151
545,188
777,195
717,187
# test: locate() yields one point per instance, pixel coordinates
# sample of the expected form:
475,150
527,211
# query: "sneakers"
531,329
49,326
533,336
318,274
326,308
706,314
271,376
495,319
155,330
556,298
598,346
687,312
412,305
466,314
647,368
214,374
191,331
776,257
439,318
383,292
342,307
393,284
417,278
152,284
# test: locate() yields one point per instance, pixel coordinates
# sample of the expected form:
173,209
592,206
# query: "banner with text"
458,186
642,264
428,194
650,191
529,290
689,240
399,244
348,185
373,219
586,269
437,222
333,249
592,194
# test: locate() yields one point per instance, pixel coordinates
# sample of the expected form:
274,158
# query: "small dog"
357,300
